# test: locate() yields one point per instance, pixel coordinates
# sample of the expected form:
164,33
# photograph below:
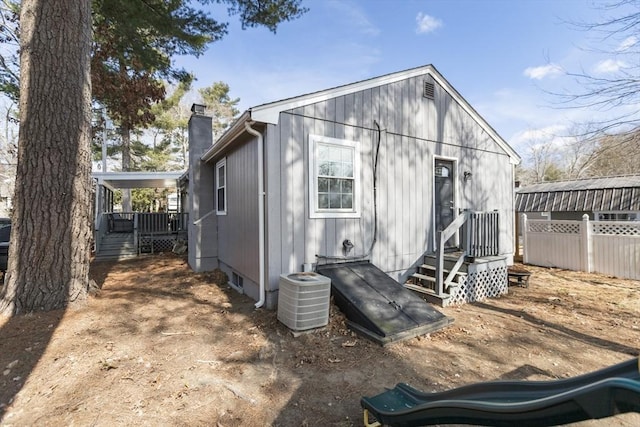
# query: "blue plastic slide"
600,394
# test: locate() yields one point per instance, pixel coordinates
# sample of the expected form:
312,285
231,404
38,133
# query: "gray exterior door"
444,197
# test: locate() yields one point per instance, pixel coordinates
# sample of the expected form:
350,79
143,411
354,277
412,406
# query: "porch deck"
470,273
124,235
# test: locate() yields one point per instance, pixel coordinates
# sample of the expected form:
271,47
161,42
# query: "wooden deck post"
440,263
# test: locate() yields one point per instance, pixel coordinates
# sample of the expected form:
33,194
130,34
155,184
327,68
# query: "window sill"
352,215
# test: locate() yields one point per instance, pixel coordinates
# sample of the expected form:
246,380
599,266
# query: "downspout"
261,195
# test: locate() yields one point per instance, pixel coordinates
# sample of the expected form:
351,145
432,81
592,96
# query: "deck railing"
480,237
142,224
481,234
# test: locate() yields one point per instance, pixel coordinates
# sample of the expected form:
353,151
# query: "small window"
221,187
334,171
442,171
237,280
617,216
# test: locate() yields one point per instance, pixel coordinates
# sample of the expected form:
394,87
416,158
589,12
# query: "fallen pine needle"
177,333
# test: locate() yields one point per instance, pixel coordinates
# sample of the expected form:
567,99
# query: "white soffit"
138,179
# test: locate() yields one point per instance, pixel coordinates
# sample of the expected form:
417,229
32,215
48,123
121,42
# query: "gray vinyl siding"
415,131
238,229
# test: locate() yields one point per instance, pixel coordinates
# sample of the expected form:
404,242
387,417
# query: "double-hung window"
221,187
334,178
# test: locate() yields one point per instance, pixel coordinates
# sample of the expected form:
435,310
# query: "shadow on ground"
24,339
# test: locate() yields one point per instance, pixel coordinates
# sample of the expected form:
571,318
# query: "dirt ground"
161,345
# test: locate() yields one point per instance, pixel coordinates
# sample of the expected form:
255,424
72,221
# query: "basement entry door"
444,197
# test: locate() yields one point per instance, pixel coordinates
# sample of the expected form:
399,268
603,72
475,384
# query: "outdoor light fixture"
467,176
198,109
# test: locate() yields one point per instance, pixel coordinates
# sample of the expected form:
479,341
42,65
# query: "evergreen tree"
220,106
133,46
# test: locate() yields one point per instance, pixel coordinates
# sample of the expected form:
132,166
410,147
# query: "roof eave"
227,138
270,113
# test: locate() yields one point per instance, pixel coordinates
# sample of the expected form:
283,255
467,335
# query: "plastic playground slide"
600,394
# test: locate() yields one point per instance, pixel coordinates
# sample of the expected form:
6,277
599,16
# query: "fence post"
587,256
525,229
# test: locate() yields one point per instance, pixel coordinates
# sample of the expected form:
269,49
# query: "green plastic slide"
600,394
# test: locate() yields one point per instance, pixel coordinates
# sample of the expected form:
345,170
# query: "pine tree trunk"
51,235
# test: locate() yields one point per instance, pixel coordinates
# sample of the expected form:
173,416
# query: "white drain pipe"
261,195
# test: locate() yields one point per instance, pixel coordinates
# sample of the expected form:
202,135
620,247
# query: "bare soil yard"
161,345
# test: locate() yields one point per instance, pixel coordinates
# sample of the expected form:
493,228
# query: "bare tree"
616,155
606,144
615,93
543,161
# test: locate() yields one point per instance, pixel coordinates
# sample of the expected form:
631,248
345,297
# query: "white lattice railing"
618,228
606,247
486,281
561,227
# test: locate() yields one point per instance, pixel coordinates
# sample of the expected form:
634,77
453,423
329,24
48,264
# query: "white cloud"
609,66
627,43
543,71
427,23
554,133
356,16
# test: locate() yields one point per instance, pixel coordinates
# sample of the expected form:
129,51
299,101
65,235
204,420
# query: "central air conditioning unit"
303,300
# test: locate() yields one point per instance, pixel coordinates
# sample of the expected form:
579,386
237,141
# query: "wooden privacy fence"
606,247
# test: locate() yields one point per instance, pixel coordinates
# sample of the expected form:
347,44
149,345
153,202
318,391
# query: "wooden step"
429,294
424,277
446,272
449,262
418,288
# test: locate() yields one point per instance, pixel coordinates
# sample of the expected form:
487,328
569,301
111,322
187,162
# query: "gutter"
261,196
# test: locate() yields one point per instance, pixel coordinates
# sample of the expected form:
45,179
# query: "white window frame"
315,142
221,164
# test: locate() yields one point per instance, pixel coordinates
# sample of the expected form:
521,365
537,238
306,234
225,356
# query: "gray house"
373,170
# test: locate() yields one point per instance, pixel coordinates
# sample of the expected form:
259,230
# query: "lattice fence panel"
560,227
156,245
616,228
480,285
611,247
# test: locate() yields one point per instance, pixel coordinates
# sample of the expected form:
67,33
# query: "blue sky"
503,56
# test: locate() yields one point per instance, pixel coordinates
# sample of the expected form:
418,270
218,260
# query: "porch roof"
618,193
115,180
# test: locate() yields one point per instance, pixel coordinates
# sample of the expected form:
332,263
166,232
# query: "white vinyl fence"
606,247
